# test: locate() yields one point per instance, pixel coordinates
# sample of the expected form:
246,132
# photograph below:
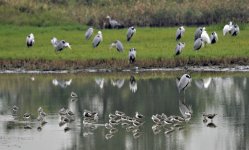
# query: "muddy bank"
122,65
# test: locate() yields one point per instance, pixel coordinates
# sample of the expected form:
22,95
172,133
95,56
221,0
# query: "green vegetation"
128,12
154,46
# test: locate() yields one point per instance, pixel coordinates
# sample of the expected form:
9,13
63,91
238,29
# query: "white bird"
198,44
89,33
119,46
118,83
133,84
205,36
30,40
184,82
97,39
235,30
130,33
113,23
227,28
132,55
179,48
59,45
179,33
213,37
100,82
62,83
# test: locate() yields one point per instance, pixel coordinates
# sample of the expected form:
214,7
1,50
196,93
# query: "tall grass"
130,12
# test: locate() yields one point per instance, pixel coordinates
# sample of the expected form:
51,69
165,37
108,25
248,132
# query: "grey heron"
130,33
184,82
179,48
198,33
119,46
235,30
113,23
186,110
97,39
132,55
227,28
205,36
30,40
213,37
198,44
59,45
89,33
179,33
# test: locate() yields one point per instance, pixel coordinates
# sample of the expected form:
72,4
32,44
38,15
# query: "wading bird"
213,37
198,33
59,45
184,82
235,30
179,48
89,33
198,44
30,40
132,55
179,33
227,28
113,23
130,33
97,39
118,45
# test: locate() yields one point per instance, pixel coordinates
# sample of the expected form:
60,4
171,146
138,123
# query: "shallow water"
227,95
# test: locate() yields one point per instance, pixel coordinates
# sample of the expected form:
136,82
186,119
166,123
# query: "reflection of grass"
153,45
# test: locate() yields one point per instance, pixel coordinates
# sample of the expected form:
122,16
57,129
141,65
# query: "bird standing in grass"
235,30
213,37
119,46
198,44
205,36
198,33
97,39
89,33
113,23
132,55
179,48
227,28
59,45
30,40
179,33
131,31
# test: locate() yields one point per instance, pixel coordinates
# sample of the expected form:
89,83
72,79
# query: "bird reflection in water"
203,83
211,117
90,122
100,82
118,83
133,84
62,83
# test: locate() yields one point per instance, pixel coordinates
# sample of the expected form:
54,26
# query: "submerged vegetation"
129,12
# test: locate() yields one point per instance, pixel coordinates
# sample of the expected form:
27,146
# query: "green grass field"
151,43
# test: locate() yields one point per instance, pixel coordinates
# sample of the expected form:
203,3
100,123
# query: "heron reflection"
118,83
203,83
133,84
185,110
62,83
100,82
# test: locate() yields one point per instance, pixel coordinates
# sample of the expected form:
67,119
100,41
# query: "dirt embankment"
114,64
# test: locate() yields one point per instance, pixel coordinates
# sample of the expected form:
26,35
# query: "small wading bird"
209,116
132,55
118,45
184,82
113,23
130,33
213,37
30,40
89,33
198,33
198,44
227,28
179,33
179,48
97,39
59,45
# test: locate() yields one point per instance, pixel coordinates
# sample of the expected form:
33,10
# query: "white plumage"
205,36
30,40
227,28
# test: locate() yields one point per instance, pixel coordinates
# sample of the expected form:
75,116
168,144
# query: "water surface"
227,95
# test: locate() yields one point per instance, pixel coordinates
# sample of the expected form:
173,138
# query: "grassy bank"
155,48
130,12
